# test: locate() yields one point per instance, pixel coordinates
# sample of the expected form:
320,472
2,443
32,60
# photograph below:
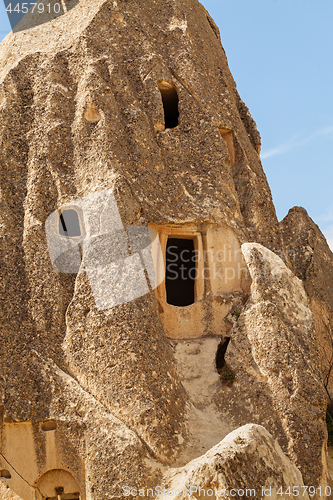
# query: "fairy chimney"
130,178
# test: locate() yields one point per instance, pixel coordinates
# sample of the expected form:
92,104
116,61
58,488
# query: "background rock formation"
311,260
273,351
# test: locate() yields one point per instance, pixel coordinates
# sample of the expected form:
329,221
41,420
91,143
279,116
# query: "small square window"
69,224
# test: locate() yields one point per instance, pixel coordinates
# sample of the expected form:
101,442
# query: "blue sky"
280,53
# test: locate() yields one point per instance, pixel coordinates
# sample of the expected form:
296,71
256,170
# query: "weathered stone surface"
104,60
87,439
274,355
248,458
7,494
311,259
81,111
190,179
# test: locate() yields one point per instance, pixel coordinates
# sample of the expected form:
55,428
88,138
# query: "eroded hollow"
220,353
49,425
180,272
5,474
170,103
228,136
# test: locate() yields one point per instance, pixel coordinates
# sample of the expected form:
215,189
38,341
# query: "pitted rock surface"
311,259
274,354
81,111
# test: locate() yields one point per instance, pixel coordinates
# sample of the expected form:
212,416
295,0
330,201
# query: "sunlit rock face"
249,449
274,351
133,99
311,259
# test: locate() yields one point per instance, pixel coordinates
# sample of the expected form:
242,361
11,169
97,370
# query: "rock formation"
134,102
311,260
274,352
248,462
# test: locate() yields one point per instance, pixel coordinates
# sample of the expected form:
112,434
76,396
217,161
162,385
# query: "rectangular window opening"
181,272
170,103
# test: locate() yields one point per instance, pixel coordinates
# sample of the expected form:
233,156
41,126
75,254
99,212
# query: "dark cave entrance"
220,353
170,104
180,272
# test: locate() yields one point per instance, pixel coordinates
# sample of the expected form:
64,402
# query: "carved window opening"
220,353
180,272
170,103
69,224
228,136
5,474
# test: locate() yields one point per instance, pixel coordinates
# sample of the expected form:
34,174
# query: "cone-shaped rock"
117,116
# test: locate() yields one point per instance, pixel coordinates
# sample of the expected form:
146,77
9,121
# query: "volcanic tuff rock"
311,259
108,56
98,393
249,458
86,430
111,55
274,353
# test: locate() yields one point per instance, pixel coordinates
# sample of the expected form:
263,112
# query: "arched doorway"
58,484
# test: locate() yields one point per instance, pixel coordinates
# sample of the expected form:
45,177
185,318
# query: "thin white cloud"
295,142
328,233
279,150
328,217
